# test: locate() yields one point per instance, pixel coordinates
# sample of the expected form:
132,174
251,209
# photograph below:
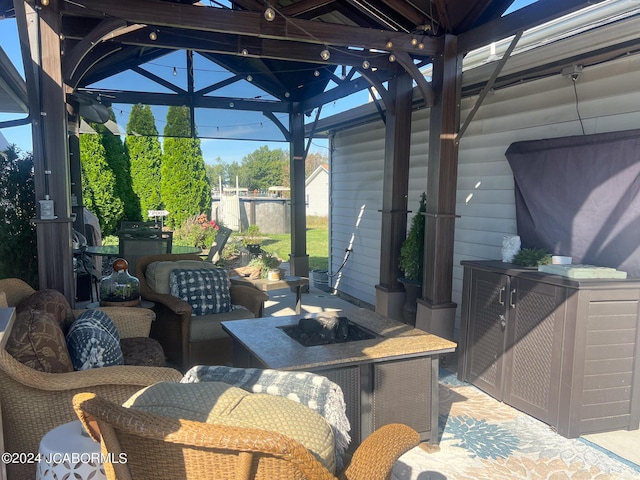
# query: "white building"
317,192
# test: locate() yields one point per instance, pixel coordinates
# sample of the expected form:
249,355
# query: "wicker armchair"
159,447
172,327
34,402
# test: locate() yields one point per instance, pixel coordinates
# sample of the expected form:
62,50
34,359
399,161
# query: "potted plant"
411,261
532,257
265,261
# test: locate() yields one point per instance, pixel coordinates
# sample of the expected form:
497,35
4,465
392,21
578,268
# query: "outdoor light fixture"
270,14
325,54
392,58
153,36
366,64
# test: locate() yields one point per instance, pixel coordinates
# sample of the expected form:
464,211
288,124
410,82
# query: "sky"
228,151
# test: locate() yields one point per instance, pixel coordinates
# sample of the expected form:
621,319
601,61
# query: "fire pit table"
390,378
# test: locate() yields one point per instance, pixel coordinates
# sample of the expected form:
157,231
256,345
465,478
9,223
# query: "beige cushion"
207,327
219,403
157,273
3,300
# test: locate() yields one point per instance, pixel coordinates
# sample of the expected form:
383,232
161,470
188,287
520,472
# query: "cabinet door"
533,353
485,331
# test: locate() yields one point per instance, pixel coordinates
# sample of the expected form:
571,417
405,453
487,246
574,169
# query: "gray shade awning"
13,89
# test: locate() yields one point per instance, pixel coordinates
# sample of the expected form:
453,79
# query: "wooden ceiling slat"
406,10
305,7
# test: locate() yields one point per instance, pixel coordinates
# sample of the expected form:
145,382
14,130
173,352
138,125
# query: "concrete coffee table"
392,378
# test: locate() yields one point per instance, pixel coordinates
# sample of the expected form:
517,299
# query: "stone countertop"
275,349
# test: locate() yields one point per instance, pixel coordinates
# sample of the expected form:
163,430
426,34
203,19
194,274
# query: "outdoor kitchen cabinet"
564,351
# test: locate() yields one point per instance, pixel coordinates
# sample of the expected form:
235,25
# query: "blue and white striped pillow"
206,290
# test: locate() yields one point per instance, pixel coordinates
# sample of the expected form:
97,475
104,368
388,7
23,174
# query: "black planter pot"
412,290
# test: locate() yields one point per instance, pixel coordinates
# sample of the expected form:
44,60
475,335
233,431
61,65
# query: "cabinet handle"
500,299
511,303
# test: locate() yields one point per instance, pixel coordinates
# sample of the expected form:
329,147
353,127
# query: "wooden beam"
442,176
299,259
304,7
425,89
208,19
226,44
104,30
160,81
170,99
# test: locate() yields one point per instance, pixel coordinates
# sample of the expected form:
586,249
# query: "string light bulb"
287,94
392,58
421,45
414,41
44,3
249,78
270,14
316,73
389,44
325,53
175,71
153,35
245,52
366,64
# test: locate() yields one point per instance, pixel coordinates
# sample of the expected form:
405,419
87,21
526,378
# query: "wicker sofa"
34,402
188,340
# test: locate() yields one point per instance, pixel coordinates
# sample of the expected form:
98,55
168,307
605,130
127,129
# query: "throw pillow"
37,341
157,273
52,301
206,290
93,341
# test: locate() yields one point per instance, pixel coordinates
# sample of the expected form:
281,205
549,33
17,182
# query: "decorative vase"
412,291
120,288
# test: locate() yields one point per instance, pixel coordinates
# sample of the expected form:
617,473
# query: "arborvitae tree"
18,247
118,160
184,186
145,156
99,184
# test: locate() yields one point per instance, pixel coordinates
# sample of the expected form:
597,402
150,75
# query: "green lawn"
317,243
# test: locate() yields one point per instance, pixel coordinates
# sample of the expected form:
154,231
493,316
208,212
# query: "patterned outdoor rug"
482,438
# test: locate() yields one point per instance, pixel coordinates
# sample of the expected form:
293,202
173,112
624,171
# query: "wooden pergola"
379,44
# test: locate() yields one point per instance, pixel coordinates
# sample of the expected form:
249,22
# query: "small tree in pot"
411,261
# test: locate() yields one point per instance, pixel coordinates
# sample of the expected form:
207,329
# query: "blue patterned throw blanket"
315,391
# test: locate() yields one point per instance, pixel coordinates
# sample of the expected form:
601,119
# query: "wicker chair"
35,402
172,327
159,447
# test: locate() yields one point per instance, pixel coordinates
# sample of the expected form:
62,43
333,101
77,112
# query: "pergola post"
40,31
298,259
390,292
436,312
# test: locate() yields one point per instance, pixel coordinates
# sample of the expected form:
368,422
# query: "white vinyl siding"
609,100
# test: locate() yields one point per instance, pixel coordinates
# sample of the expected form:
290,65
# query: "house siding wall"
608,100
317,193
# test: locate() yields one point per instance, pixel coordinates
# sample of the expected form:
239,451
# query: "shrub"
411,260
196,231
18,247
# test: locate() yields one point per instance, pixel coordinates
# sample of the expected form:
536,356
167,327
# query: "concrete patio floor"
623,443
